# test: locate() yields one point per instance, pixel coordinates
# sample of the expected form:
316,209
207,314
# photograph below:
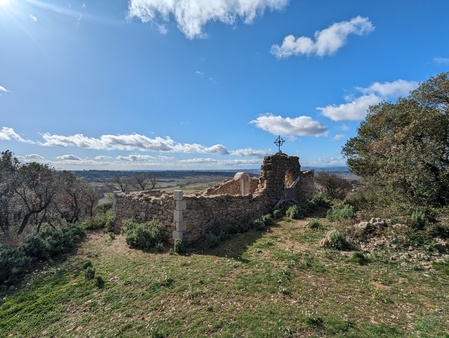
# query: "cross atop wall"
279,141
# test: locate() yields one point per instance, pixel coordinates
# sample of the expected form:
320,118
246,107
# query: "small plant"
314,224
313,319
359,258
277,214
418,219
99,282
340,213
13,265
294,212
179,246
89,273
336,240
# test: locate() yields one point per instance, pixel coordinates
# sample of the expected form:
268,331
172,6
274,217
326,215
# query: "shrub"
89,273
100,221
99,282
179,246
336,240
13,265
359,258
314,224
294,212
144,235
339,213
418,219
277,214
50,242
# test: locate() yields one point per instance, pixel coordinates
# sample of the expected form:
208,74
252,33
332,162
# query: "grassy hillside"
276,283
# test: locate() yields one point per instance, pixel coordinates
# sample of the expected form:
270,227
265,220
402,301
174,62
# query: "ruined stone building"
237,200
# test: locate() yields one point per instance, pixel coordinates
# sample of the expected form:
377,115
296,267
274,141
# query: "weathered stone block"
178,235
181,205
178,195
181,226
177,216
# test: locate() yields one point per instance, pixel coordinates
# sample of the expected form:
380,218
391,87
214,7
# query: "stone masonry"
242,199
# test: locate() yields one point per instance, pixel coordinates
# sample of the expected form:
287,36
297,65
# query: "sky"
205,85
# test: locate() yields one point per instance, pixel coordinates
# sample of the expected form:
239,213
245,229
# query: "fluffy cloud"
3,89
129,142
7,134
68,157
327,41
136,158
338,137
299,126
356,107
192,15
248,152
34,157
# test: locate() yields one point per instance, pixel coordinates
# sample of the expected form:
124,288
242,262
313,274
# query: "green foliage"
443,267
179,246
359,258
50,242
340,213
336,240
418,219
89,273
313,224
294,212
99,282
144,235
277,213
403,146
13,264
100,221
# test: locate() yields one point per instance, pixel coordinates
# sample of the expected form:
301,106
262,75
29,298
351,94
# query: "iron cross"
279,141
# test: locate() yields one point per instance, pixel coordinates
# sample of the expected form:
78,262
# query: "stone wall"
239,200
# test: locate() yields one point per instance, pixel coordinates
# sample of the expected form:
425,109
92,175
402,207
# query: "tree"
404,146
36,188
75,198
8,182
333,185
144,181
118,182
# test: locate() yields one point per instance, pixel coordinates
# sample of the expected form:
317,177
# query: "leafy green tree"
403,147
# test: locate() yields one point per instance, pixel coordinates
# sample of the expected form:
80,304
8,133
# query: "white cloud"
136,158
299,126
390,89
33,18
338,137
68,157
441,61
327,41
7,134
130,142
3,89
34,157
192,15
102,158
356,107
249,152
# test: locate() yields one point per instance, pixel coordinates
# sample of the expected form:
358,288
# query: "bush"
13,265
277,214
179,246
359,258
340,213
336,240
419,219
100,221
50,242
144,235
314,224
294,212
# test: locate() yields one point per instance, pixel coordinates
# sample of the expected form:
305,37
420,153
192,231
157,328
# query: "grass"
278,283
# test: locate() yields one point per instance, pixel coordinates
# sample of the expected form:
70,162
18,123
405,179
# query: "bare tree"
8,182
333,185
36,190
118,182
144,181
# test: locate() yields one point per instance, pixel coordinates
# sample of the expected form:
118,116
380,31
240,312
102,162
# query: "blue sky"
199,84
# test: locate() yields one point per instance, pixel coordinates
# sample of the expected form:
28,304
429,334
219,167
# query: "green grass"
276,283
